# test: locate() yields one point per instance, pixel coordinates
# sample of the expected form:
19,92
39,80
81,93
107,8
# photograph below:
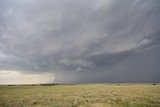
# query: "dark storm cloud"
81,41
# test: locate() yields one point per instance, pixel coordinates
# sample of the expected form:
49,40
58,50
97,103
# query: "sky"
79,41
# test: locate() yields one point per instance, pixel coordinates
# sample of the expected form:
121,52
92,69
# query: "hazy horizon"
79,41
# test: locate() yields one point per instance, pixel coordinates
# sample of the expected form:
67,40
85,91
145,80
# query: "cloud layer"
15,77
82,41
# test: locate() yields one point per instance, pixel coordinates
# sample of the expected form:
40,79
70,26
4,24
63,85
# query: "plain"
81,95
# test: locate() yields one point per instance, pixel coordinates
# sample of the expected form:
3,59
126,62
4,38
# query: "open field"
81,95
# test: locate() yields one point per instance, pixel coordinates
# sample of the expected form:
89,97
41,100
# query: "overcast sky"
79,41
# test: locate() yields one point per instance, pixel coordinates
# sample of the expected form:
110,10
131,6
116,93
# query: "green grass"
82,95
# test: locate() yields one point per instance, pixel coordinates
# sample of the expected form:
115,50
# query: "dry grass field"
81,95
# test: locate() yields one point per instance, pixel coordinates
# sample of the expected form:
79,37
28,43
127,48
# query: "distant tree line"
52,84
42,84
48,84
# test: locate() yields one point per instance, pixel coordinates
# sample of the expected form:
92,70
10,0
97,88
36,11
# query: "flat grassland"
81,95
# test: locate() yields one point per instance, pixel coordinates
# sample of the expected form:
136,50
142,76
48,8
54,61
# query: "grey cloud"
77,39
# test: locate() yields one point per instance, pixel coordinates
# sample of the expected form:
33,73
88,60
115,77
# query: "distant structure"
118,84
